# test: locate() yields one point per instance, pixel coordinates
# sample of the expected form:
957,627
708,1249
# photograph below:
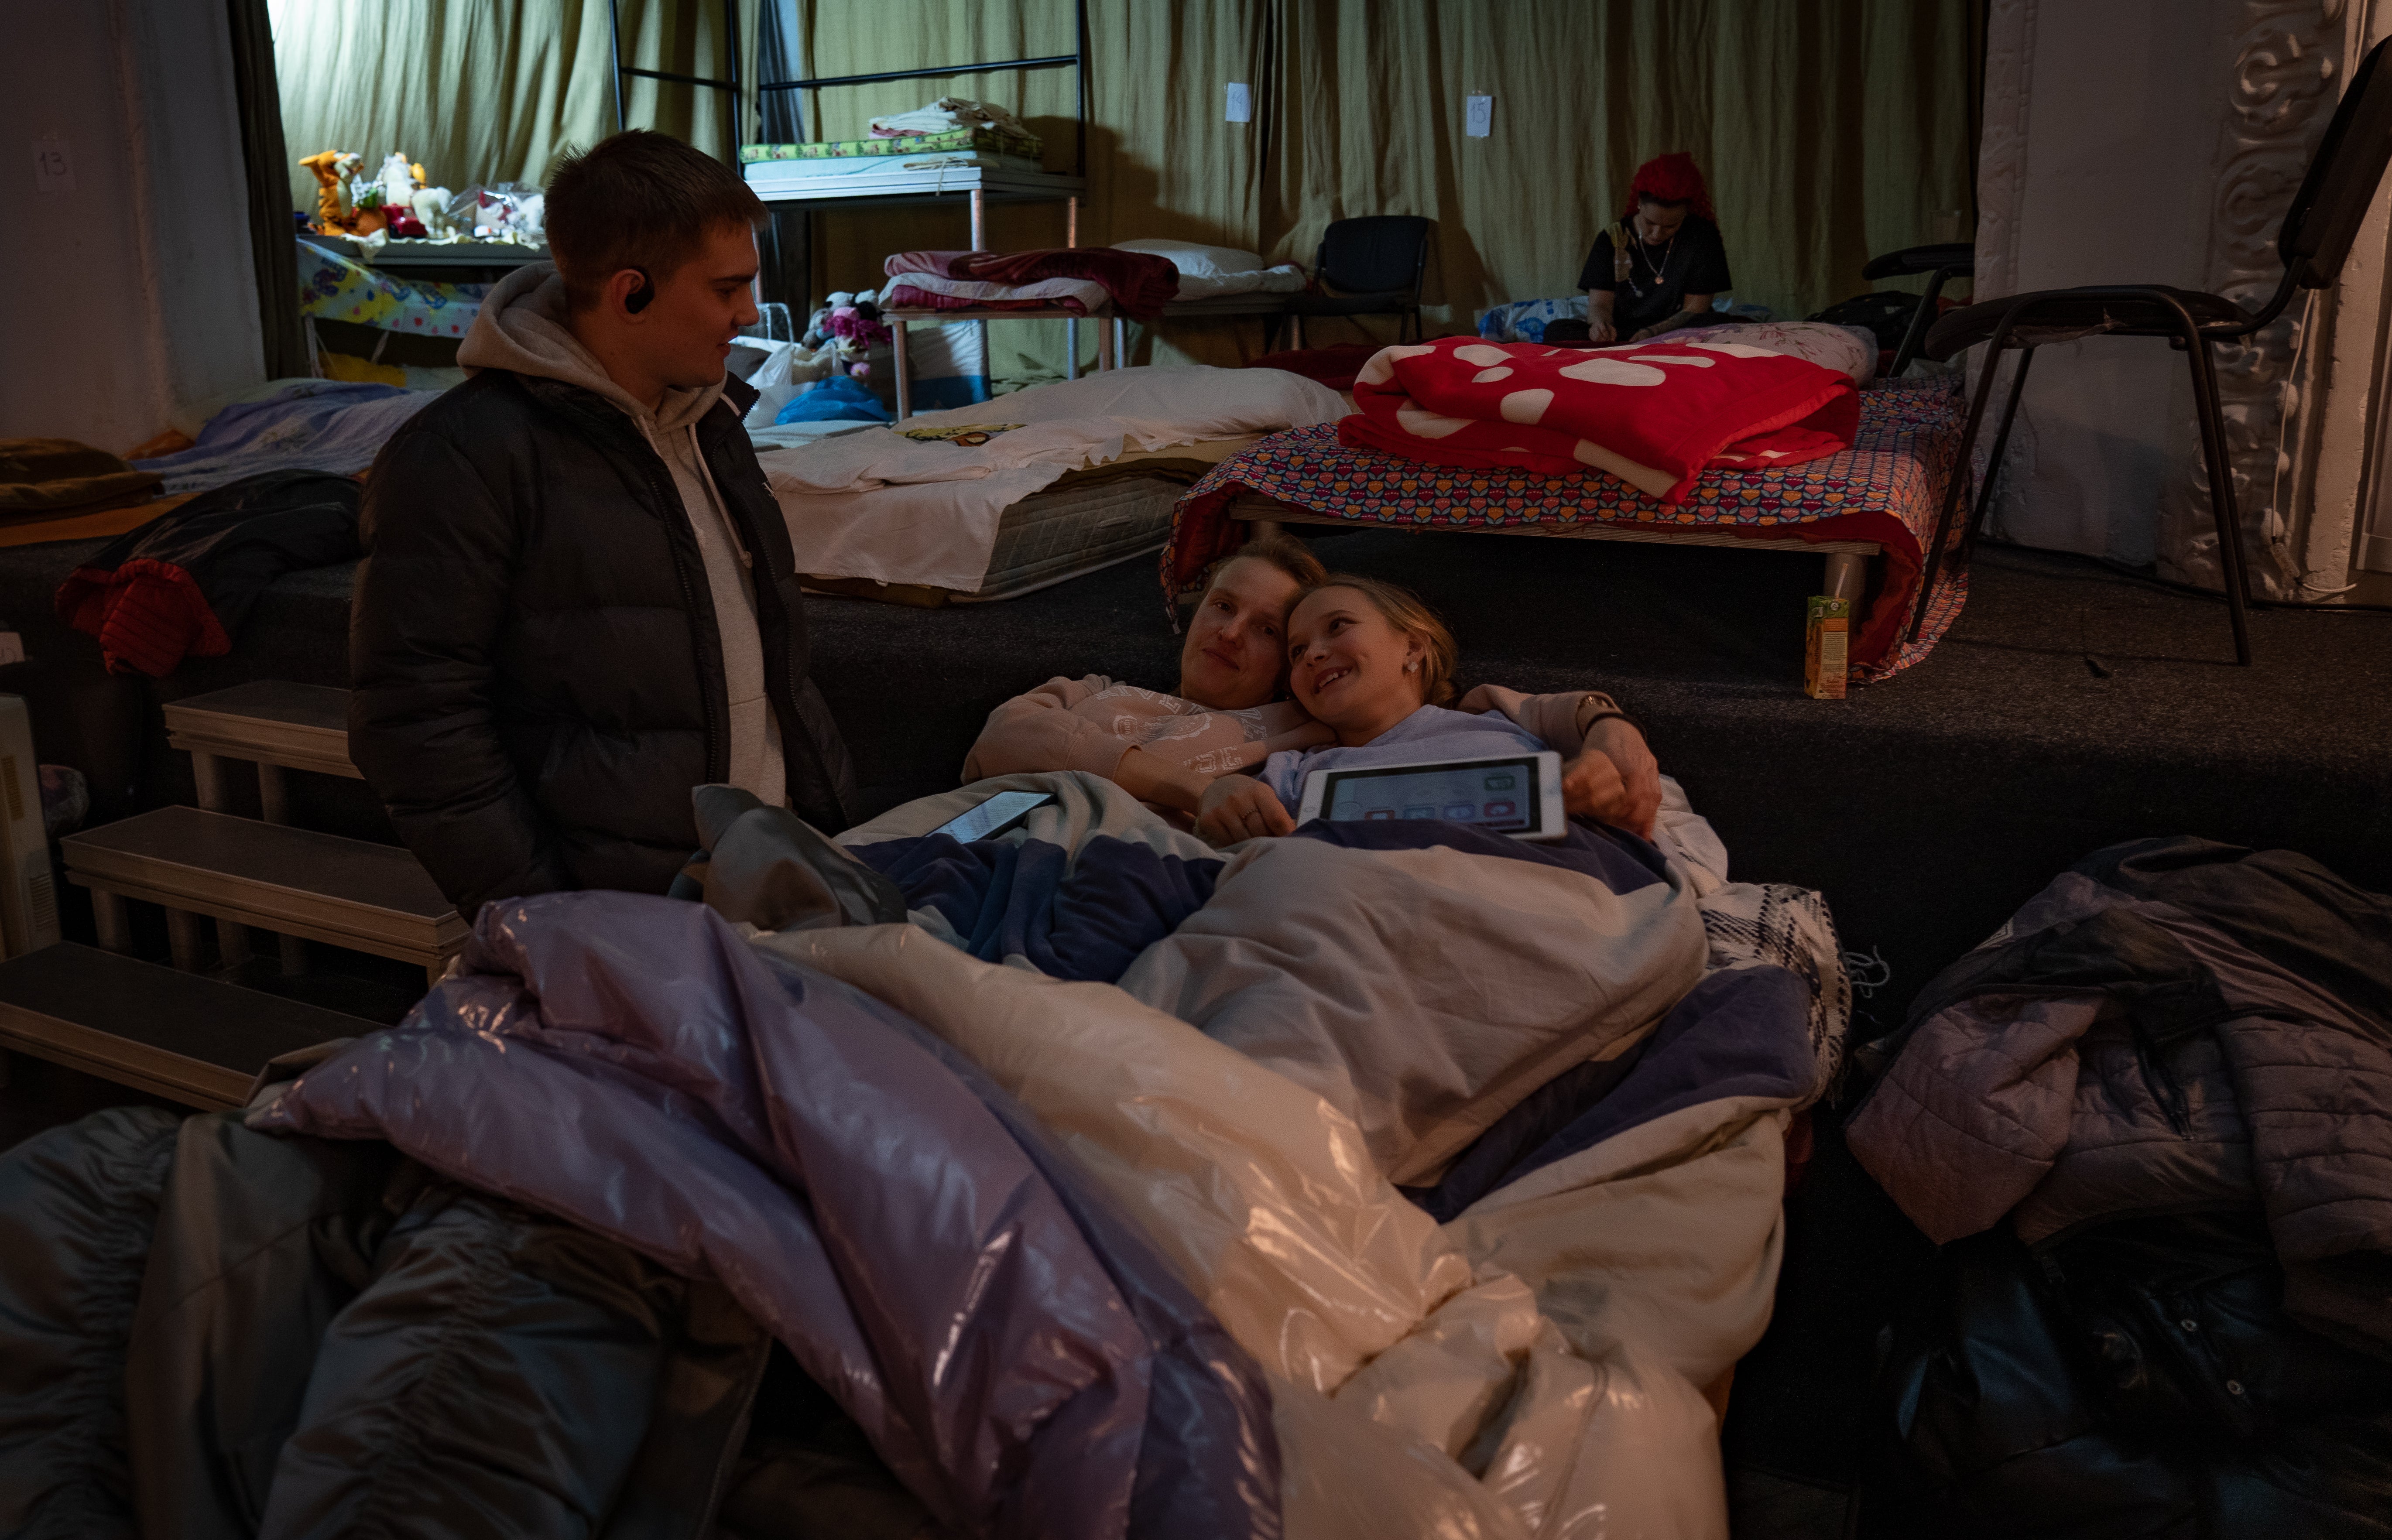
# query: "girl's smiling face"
1350,667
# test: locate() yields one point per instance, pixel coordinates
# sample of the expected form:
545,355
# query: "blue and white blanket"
318,425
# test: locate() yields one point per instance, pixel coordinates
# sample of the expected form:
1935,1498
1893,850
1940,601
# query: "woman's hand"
1239,807
1599,331
1615,778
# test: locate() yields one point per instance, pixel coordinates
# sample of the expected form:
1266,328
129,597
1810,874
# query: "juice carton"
1827,639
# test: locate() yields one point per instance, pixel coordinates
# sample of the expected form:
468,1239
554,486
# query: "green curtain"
489,90
1829,129
282,338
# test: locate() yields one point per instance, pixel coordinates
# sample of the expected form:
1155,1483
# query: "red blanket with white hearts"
1652,413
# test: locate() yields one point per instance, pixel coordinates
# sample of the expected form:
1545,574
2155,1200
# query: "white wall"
2121,122
136,290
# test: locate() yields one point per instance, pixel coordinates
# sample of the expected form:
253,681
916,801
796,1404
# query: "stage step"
296,726
187,1038
295,882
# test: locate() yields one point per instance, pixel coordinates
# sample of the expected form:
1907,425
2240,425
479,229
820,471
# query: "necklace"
1659,269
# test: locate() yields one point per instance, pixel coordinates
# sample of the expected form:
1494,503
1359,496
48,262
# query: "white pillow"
1198,262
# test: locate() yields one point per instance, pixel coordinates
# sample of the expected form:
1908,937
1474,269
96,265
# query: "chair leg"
1959,480
1993,461
1915,333
2222,507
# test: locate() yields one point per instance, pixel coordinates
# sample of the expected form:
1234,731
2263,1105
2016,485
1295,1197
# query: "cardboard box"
1826,642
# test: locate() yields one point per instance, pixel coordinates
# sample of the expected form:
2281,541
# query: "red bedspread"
1652,413
1140,284
1887,487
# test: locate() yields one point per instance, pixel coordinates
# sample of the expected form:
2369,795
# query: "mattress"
1072,528
879,165
984,138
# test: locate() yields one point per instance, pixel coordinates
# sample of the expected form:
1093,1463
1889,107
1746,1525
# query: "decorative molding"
2001,148
2285,79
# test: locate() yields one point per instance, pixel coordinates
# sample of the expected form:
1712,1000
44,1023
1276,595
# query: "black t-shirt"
1660,273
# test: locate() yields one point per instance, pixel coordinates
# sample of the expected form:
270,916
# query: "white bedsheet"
875,504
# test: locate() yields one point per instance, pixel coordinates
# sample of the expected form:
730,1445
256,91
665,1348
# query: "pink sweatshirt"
1088,724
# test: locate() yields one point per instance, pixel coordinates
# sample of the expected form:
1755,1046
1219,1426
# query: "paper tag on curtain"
1478,116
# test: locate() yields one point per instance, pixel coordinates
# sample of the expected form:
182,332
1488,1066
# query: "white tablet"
1520,795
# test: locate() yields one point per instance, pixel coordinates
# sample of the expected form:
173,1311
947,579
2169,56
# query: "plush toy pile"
395,204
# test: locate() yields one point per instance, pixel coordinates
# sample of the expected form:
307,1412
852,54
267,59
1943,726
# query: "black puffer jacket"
211,1334
2141,1379
538,674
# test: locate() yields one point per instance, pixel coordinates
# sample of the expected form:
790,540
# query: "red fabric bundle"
148,615
1654,414
1140,284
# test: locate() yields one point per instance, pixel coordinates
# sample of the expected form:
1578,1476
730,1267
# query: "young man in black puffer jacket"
578,601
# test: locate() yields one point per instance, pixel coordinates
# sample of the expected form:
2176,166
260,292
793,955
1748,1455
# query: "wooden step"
296,726
295,882
188,1039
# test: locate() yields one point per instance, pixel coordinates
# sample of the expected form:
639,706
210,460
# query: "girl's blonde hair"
1407,613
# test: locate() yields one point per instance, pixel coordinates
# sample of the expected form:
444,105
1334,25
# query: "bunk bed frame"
975,188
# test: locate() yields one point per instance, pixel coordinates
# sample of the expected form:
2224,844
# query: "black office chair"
2316,237
1955,259
1369,266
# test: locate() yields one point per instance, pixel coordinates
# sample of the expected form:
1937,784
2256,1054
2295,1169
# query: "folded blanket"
1654,414
58,476
929,292
184,582
1140,285
309,425
945,115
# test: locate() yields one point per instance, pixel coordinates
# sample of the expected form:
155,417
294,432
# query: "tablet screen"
1499,794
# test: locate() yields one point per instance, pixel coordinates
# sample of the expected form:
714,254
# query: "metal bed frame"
975,190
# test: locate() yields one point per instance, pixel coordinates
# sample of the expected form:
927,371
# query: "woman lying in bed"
1374,666
1181,751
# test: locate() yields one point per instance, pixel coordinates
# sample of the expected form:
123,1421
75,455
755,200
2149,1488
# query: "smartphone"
999,813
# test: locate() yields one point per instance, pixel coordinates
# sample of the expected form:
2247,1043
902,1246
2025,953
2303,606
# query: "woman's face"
1236,651
1660,220
1350,667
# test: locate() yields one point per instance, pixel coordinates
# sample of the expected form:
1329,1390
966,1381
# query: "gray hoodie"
522,327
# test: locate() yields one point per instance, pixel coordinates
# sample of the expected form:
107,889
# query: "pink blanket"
1140,284
1654,414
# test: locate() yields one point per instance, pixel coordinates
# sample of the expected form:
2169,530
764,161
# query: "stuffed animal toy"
398,181
332,169
431,206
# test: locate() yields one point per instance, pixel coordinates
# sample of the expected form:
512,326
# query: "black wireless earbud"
637,299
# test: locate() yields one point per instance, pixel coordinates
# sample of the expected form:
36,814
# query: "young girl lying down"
1374,666
1183,752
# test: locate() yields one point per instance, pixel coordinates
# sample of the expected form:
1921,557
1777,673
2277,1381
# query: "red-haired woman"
1658,267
